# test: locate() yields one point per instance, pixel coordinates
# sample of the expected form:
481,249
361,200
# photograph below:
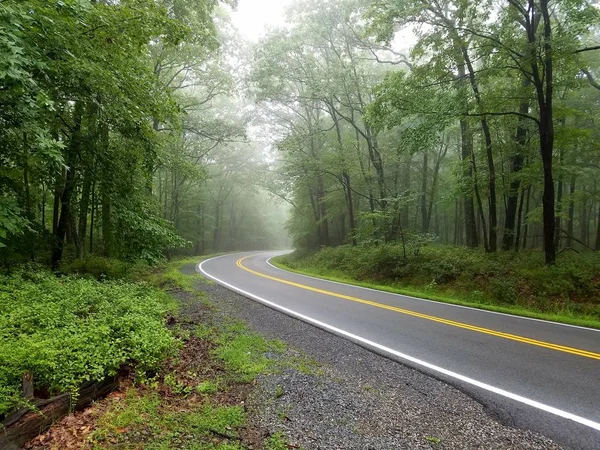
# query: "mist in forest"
204,128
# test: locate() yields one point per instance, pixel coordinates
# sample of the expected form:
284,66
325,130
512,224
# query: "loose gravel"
357,399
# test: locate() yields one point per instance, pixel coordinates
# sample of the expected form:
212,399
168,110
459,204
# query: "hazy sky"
253,16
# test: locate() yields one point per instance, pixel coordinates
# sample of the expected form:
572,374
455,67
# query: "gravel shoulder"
357,399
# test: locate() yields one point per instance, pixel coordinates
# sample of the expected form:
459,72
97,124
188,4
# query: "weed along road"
532,374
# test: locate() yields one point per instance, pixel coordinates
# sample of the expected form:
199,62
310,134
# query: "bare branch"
587,49
506,113
591,78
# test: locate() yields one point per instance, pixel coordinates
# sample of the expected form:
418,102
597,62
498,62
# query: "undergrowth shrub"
570,287
66,331
99,267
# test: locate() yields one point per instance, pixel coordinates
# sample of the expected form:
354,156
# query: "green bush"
570,287
66,331
99,267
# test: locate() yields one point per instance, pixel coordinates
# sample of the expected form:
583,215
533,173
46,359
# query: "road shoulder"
359,399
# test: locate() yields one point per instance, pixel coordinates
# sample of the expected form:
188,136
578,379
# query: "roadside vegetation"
99,317
133,132
67,331
197,398
182,384
447,150
566,292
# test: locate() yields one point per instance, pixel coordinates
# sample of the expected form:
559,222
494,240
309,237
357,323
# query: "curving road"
532,374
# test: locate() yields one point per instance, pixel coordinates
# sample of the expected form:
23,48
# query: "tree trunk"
545,88
27,194
519,218
424,224
67,194
324,222
346,181
548,202
570,225
350,201
377,162
479,204
44,200
59,187
492,203
106,201
217,232
517,161
65,213
93,217
526,230
107,232
598,232
404,212
469,207
84,206
434,182
559,195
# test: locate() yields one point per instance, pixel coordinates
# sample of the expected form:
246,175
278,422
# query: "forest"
477,125
123,134
447,148
129,128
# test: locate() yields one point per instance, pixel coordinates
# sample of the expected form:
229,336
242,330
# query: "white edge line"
431,301
387,350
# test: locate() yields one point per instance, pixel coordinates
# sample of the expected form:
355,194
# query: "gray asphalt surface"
556,379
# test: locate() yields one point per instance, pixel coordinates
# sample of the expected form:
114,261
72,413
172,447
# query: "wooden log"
28,385
24,425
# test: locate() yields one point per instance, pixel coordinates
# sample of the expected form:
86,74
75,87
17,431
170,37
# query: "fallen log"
24,424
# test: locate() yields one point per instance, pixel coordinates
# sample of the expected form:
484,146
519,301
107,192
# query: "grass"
167,413
432,439
279,392
247,354
568,293
143,420
276,442
208,387
169,276
166,275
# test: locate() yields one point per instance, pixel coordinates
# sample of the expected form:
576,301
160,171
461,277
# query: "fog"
307,123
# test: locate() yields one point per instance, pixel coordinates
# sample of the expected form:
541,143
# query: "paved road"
532,374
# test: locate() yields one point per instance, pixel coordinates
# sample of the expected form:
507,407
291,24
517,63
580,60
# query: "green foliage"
168,275
143,418
144,235
80,106
276,441
363,262
433,440
208,387
12,222
279,392
519,282
99,267
66,331
246,353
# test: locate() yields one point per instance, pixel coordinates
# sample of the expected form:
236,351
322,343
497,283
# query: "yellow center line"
512,337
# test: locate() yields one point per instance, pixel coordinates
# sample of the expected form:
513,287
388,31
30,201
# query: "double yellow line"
512,337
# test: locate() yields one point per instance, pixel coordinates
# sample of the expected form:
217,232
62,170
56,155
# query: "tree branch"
507,113
587,49
591,78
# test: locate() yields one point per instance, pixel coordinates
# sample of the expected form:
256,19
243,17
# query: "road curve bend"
532,374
